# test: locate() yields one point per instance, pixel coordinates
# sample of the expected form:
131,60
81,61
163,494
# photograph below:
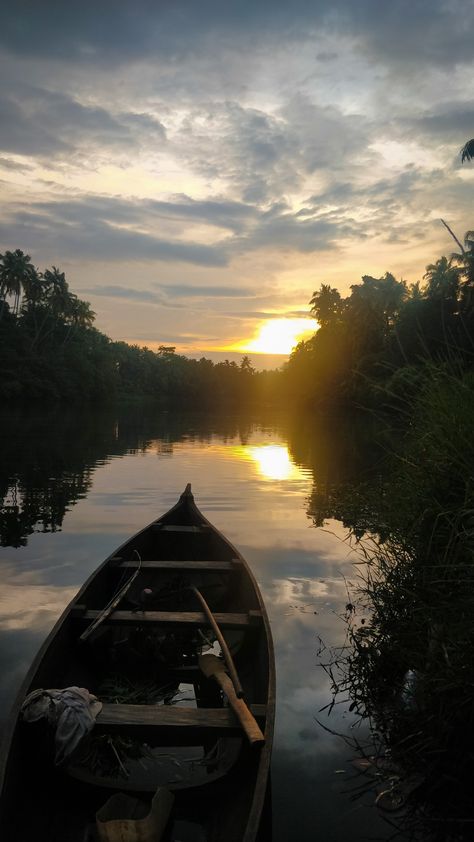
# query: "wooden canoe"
133,636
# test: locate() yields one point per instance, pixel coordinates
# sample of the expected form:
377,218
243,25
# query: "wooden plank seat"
172,724
227,620
202,566
159,715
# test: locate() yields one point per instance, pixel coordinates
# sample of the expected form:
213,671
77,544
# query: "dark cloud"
171,291
223,213
39,122
114,31
183,291
129,293
234,216
284,231
20,134
89,237
16,166
114,229
412,32
266,156
448,123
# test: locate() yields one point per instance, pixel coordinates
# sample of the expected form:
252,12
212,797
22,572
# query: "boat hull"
136,622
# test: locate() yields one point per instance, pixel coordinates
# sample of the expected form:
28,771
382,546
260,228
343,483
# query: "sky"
198,169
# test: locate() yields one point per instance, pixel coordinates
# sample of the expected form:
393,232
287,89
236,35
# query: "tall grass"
410,664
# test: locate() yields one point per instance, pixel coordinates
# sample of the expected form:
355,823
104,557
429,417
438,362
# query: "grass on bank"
409,667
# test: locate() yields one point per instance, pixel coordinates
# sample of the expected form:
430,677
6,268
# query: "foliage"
367,350
409,661
50,351
467,152
373,342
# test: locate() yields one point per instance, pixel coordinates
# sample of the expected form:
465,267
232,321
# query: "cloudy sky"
199,168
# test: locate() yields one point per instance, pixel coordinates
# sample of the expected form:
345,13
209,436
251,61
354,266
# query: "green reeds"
409,661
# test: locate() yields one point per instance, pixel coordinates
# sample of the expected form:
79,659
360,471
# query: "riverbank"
408,665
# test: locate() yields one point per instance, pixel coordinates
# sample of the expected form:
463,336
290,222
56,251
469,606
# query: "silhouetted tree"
16,274
326,305
467,152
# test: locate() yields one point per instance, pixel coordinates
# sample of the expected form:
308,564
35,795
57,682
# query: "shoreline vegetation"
404,354
370,351
408,663
50,351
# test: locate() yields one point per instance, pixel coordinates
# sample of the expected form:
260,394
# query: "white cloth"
72,710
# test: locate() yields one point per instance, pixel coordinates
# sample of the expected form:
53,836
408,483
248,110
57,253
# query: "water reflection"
274,462
82,484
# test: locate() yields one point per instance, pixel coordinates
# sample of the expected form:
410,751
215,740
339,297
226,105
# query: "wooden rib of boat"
133,636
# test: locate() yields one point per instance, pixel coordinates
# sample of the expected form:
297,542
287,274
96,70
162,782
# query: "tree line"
372,345
50,350
369,349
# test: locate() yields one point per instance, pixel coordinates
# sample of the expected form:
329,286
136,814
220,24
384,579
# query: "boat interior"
163,724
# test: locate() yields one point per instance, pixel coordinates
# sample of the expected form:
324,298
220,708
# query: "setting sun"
279,336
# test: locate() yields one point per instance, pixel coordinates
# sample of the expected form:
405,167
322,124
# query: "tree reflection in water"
40,477
49,458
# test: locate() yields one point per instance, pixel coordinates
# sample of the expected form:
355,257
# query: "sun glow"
274,462
279,336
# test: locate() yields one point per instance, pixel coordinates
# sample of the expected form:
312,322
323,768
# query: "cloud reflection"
28,603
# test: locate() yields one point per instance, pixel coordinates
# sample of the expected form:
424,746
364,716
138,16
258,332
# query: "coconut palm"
467,152
414,292
465,258
443,280
326,305
57,292
80,313
17,273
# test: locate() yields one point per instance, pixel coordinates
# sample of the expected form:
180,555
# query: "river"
76,484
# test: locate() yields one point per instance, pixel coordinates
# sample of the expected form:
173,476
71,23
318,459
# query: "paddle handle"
213,667
243,714
222,642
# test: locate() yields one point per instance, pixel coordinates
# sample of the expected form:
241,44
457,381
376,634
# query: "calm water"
75,487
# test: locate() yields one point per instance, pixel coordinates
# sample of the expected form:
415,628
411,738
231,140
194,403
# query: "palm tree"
467,152
414,292
443,280
465,258
80,313
326,305
33,291
58,296
17,273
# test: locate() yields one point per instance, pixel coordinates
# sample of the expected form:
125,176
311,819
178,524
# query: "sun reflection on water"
272,460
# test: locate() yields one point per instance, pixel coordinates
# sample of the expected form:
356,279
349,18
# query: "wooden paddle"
222,642
213,667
